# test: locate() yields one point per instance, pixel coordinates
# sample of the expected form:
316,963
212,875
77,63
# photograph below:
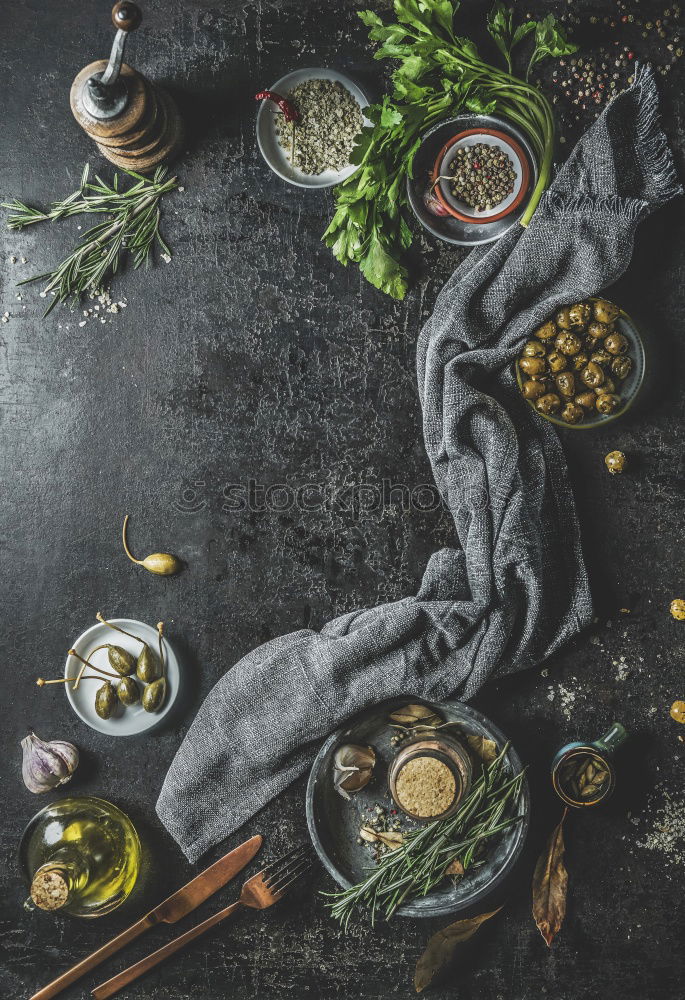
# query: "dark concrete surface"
254,355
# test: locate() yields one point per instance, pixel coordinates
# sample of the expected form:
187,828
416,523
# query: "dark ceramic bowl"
447,227
334,822
629,387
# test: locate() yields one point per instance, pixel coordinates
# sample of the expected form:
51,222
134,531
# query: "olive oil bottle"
80,856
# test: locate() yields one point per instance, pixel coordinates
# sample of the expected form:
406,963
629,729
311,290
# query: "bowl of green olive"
584,366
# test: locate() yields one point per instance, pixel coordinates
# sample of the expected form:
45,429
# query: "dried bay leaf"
455,868
482,747
550,882
391,838
442,947
410,715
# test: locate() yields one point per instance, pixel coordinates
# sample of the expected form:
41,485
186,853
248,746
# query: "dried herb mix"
322,136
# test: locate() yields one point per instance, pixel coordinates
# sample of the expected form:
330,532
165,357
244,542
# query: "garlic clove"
352,768
46,765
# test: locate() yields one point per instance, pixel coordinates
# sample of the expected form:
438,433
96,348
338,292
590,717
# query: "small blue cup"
576,766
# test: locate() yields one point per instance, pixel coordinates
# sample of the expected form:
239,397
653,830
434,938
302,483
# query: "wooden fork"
259,892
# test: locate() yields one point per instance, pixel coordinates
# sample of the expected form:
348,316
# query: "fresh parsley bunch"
438,74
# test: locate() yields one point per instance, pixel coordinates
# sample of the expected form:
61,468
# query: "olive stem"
160,630
126,548
116,627
68,680
87,663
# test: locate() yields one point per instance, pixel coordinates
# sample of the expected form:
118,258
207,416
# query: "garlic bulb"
352,768
47,765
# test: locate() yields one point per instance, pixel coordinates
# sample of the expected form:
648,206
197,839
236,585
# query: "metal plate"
334,822
448,228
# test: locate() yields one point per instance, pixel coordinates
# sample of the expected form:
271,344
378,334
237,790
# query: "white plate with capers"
124,719
278,156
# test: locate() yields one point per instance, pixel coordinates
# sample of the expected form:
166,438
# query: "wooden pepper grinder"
135,124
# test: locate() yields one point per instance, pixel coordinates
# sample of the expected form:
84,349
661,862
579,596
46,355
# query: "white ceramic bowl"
129,720
271,149
515,154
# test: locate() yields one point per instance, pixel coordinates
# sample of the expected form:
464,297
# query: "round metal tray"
448,228
334,822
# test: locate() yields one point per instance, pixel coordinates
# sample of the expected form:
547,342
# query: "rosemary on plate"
421,862
132,227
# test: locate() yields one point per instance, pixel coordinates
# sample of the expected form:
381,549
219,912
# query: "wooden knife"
180,903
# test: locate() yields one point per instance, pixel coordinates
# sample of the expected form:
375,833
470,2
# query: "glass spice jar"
429,776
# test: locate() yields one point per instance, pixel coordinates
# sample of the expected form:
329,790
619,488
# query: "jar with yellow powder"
429,777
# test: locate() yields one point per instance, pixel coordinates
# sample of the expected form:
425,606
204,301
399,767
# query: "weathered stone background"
255,355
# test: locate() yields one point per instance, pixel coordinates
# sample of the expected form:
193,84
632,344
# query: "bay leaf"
443,946
455,868
550,882
391,838
410,715
482,747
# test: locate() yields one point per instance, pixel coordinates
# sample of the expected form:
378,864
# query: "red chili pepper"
288,110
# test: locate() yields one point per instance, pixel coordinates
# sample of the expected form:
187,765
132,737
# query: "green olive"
598,331
121,660
588,400
566,383
607,403
615,462
580,313
579,360
154,695
128,691
592,376
556,361
549,403
147,668
533,389
605,311
105,700
622,367
616,343
607,386
600,357
572,413
563,319
568,342
533,349
546,331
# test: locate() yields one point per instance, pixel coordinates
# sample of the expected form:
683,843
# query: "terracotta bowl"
490,137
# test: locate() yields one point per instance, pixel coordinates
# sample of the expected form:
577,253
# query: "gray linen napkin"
516,588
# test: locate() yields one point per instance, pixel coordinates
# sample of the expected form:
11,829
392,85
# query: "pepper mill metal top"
105,95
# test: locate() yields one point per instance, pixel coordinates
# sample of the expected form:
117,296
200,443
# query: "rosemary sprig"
133,227
417,866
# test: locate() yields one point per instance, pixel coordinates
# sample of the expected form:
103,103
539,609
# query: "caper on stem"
161,563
